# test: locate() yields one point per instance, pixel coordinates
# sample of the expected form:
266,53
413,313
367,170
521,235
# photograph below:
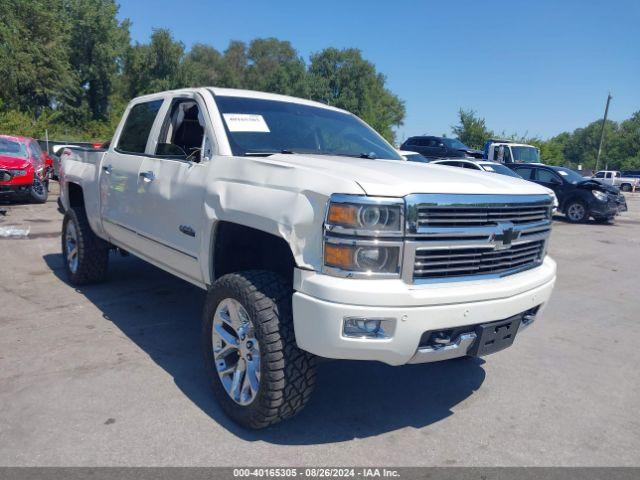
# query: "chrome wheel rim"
576,211
236,351
71,247
38,186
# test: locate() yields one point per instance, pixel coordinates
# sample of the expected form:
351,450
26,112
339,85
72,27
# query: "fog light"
372,328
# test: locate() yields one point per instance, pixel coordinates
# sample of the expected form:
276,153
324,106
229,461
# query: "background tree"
34,55
472,130
97,43
342,78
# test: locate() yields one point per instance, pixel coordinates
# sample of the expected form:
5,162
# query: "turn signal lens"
343,214
338,256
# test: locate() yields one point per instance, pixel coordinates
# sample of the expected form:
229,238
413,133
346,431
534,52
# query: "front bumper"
321,304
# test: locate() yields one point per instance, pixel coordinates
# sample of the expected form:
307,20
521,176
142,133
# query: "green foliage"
472,130
344,79
68,66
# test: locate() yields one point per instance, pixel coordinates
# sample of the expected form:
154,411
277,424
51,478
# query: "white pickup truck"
615,178
312,237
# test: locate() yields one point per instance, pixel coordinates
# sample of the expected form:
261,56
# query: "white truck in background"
312,236
615,178
508,151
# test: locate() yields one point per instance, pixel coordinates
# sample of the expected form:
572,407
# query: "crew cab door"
172,185
552,180
120,209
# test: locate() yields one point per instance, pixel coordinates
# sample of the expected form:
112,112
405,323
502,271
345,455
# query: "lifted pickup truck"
312,236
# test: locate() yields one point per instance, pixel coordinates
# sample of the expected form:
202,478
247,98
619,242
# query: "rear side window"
547,176
525,172
137,127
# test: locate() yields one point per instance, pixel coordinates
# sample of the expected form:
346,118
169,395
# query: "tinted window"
547,176
599,175
455,144
524,172
138,126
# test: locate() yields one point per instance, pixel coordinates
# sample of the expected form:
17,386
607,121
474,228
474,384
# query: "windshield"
256,126
525,154
11,148
455,144
501,169
569,175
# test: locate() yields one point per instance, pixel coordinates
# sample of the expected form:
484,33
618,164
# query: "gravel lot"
112,374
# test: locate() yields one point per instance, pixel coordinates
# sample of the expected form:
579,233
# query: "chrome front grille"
457,262
444,216
459,237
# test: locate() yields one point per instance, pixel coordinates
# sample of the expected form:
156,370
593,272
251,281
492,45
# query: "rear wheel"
85,255
39,191
576,212
258,374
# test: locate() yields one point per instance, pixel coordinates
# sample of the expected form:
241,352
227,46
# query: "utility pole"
606,112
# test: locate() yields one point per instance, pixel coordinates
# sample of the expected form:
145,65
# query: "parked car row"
577,197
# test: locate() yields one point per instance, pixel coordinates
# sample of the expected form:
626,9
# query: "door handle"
147,176
107,169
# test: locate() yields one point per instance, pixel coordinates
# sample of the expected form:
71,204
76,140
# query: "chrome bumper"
458,347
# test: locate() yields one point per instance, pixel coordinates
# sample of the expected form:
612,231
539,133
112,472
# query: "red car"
24,169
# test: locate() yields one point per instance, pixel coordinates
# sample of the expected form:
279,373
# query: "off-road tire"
287,373
93,252
39,191
582,219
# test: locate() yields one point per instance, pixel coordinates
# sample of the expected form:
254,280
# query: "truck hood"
13,163
397,178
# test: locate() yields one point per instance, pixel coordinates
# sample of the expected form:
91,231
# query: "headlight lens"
369,259
599,195
369,218
554,199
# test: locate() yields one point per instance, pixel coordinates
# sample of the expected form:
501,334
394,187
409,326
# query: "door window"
525,172
547,176
599,175
182,132
137,127
608,175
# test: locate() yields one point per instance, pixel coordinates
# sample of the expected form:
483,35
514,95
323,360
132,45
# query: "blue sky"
537,67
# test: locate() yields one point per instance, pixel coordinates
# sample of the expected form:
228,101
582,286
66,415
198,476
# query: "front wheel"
576,212
257,372
39,191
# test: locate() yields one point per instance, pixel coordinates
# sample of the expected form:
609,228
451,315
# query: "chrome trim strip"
456,349
416,201
149,238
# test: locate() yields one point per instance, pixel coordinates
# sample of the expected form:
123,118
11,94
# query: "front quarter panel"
283,200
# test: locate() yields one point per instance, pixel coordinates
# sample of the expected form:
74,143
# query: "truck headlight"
367,259
363,236
383,216
599,195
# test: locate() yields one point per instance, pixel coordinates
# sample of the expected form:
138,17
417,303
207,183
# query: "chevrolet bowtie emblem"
505,235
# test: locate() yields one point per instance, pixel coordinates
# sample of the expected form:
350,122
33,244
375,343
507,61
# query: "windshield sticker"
562,173
489,168
244,122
